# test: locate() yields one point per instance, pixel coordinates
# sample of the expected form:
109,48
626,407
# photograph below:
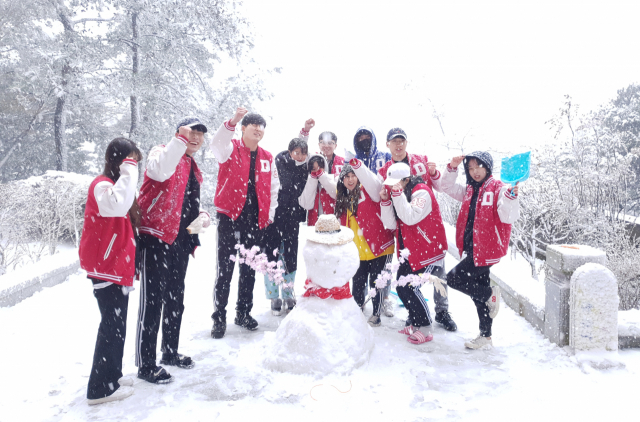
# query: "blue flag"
516,168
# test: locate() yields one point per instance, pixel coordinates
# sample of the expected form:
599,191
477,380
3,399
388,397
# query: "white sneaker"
479,343
119,394
387,308
126,381
494,302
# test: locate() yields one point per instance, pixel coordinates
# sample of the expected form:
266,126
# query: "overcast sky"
494,71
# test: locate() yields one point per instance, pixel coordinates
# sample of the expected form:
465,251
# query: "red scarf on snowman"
337,293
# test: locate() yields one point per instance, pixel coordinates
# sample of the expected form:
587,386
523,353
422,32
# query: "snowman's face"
331,266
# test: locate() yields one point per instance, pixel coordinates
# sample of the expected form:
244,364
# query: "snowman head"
330,255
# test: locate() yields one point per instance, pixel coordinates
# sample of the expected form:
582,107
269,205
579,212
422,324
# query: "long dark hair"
117,150
345,200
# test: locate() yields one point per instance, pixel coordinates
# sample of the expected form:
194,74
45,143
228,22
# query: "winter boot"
276,307
181,361
219,327
246,321
289,304
119,394
494,301
444,318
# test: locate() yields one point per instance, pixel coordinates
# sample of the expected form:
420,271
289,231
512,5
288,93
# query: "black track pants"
412,297
107,357
366,275
244,231
474,282
164,268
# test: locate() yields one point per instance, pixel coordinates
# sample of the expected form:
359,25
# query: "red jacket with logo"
496,210
328,203
370,222
420,224
108,247
233,177
162,191
419,167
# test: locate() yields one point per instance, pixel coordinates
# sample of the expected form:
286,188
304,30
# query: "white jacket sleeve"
449,185
221,144
387,216
414,212
162,161
508,206
329,183
308,198
115,200
275,187
371,182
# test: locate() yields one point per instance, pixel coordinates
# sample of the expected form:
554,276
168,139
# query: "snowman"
326,332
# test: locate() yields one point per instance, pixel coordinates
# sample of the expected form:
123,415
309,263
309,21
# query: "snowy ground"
48,341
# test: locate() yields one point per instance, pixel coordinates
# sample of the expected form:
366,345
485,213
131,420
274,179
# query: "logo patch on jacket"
419,202
487,198
266,166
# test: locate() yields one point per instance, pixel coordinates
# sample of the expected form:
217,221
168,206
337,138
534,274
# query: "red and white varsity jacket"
496,210
311,198
107,247
233,177
162,191
420,224
419,167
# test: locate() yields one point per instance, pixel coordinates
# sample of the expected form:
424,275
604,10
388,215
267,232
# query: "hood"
374,145
310,156
483,158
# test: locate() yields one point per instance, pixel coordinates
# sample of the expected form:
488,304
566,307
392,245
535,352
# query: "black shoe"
219,327
246,321
157,375
443,318
181,361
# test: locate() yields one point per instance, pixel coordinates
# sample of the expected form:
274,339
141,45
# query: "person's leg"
442,302
290,254
378,267
482,278
227,239
174,302
463,278
152,284
107,357
412,298
250,235
271,241
359,283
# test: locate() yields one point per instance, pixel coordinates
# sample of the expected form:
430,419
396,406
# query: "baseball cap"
396,173
193,123
396,132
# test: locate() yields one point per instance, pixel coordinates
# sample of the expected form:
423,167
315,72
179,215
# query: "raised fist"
240,113
455,161
184,131
432,168
309,124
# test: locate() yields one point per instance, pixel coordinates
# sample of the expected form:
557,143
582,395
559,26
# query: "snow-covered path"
47,346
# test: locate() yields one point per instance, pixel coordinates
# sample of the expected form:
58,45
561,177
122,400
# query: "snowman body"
329,335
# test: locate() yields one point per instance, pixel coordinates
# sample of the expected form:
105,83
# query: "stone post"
562,262
594,309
